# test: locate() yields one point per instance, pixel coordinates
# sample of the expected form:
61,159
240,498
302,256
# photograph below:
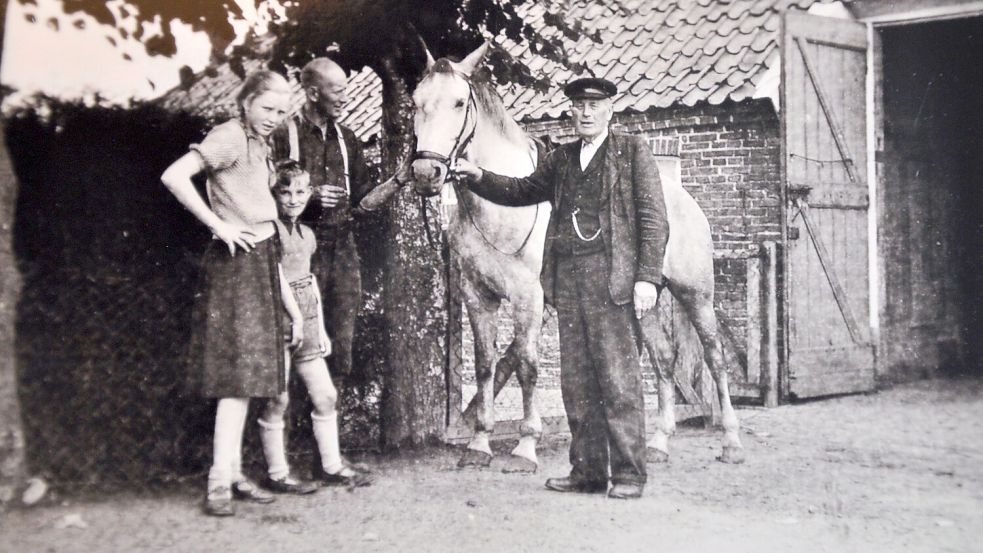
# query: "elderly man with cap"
602,267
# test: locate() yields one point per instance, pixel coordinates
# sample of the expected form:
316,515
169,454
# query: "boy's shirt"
298,244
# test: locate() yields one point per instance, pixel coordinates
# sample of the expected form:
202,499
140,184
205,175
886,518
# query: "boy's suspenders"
294,141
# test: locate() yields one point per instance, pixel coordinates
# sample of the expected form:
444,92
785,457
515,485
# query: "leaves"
362,31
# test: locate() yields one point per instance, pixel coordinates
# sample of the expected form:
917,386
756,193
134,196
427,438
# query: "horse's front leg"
483,315
524,350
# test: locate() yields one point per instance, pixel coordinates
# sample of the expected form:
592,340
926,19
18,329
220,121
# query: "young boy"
292,192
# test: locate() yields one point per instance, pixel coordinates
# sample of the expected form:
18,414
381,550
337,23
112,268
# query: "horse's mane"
487,100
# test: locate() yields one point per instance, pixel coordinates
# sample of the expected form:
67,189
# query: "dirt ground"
900,470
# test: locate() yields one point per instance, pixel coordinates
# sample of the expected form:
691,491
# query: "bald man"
333,156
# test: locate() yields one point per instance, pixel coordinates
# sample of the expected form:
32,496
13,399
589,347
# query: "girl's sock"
237,475
230,416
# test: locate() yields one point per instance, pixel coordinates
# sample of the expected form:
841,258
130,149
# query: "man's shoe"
626,491
218,502
245,490
568,484
345,477
289,484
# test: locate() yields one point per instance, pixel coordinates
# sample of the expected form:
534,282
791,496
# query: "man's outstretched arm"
511,191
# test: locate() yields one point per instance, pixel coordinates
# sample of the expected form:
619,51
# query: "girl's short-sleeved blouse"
239,174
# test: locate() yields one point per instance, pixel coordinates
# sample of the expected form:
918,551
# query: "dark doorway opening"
931,220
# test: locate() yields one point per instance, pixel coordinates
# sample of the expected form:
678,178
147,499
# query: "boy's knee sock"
274,448
326,434
230,415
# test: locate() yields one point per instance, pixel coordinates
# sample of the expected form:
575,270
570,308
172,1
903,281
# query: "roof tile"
658,53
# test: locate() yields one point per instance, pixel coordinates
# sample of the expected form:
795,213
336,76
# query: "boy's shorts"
314,345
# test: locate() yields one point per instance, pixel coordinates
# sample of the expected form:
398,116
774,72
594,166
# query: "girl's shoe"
218,502
245,490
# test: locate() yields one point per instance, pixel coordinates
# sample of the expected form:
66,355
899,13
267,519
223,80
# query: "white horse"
500,250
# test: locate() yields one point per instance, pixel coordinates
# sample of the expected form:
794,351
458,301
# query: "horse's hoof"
516,464
657,455
732,455
474,458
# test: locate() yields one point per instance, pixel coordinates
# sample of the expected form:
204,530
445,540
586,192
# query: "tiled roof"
658,52
214,97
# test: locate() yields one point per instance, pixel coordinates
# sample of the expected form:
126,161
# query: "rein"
467,211
463,140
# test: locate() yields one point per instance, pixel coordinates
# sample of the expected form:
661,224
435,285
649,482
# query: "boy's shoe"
289,484
245,490
356,466
353,479
218,502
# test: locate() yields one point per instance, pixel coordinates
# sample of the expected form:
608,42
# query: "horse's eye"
459,104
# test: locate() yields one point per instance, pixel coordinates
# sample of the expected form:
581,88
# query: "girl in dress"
238,334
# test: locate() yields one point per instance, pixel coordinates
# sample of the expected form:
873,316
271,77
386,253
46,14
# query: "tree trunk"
414,397
12,463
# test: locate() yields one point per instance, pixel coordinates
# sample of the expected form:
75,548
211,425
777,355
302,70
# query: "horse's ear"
430,60
468,64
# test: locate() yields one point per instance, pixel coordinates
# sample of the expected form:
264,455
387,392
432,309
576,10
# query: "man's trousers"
337,267
600,376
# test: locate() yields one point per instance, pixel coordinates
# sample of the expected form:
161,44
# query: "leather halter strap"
464,136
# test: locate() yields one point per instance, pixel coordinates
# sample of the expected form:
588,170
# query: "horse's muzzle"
428,176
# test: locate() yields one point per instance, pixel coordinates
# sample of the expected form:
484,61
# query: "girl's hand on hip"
234,235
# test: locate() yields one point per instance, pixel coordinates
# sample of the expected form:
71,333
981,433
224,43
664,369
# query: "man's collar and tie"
589,148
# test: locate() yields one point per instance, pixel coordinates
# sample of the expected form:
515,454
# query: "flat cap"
590,87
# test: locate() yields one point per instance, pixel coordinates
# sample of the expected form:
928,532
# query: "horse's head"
445,120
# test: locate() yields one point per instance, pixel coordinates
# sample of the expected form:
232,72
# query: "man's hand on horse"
404,173
467,171
646,295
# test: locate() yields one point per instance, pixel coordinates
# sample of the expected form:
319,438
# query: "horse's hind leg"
700,309
483,315
658,342
528,322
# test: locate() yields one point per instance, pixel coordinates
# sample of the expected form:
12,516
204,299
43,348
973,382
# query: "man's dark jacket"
633,211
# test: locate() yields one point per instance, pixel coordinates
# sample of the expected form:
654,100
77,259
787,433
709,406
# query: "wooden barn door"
823,104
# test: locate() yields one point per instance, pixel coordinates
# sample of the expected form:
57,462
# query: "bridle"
464,137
